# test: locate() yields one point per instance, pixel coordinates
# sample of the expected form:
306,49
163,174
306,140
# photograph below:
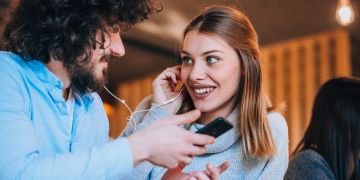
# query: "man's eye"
212,59
186,60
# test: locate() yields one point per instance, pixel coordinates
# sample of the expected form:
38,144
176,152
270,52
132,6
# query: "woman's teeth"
203,90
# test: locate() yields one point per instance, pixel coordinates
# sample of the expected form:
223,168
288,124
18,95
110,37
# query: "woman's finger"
200,175
215,175
220,169
223,167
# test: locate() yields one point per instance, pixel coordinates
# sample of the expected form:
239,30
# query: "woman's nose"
198,71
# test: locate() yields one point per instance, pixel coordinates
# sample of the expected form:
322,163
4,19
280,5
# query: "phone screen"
216,128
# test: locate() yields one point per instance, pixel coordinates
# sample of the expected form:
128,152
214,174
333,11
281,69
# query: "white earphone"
130,118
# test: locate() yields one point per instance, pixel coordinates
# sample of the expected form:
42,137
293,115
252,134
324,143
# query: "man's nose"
116,46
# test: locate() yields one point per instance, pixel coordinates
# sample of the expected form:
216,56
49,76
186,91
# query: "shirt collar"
84,100
51,81
45,75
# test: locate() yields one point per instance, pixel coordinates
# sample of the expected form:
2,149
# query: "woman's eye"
186,60
212,59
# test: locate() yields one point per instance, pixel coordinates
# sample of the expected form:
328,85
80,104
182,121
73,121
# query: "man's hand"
166,144
211,173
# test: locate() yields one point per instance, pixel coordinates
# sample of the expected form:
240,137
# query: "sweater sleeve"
276,166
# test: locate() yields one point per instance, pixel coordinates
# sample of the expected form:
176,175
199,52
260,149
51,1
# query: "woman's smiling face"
210,71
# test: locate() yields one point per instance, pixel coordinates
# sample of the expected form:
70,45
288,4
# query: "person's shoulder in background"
308,165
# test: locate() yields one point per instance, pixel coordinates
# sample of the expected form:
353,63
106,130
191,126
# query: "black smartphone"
216,128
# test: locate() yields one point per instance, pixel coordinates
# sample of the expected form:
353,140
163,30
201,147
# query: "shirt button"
59,106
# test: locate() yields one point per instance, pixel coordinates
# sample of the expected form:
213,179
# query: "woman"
221,73
330,148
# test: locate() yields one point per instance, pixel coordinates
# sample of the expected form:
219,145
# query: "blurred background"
303,44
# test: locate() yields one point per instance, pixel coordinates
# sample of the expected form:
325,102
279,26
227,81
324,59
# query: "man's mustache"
107,57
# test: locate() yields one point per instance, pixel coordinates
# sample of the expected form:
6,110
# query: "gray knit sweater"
309,165
228,147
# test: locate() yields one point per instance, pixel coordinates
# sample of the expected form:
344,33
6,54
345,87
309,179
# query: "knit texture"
228,147
309,165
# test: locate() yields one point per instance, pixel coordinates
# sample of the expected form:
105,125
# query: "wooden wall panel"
294,119
309,74
313,60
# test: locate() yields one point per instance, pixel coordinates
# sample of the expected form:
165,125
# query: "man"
52,123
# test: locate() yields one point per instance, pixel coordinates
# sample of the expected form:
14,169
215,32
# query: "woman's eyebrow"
205,53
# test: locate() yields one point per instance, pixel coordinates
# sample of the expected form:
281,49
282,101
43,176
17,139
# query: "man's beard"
84,80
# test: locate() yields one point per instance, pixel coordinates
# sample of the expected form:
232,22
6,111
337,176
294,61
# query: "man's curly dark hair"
65,29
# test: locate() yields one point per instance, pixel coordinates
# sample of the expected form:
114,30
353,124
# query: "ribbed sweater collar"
226,140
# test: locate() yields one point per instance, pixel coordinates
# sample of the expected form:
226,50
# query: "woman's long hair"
334,130
235,28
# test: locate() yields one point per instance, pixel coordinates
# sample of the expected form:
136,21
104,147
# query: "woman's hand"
164,89
211,173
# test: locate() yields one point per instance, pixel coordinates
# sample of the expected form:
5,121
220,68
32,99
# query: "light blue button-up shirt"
36,138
